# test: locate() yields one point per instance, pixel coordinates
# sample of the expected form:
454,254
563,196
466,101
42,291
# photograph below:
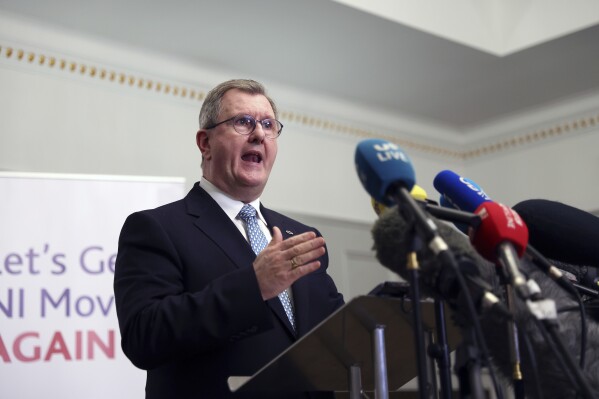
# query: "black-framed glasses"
245,125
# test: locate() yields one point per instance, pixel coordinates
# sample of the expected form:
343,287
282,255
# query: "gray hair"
212,104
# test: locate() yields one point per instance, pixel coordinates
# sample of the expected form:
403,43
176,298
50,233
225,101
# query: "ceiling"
429,64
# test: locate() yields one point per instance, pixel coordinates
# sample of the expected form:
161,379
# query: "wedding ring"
294,263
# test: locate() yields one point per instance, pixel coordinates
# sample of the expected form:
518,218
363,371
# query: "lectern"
343,352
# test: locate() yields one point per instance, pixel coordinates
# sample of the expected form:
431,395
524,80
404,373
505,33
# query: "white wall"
563,170
68,119
549,153
76,118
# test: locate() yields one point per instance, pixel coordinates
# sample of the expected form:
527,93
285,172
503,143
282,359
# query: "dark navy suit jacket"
189,307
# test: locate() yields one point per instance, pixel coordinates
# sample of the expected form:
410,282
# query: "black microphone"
391,244
561,232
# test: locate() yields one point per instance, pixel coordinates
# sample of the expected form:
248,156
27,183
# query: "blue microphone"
383,167
388,176
460,192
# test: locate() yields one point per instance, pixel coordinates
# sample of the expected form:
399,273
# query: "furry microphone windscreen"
393,236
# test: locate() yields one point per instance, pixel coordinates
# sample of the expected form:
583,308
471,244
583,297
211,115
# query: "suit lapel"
215,223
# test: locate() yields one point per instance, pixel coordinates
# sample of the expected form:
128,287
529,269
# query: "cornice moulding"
334,116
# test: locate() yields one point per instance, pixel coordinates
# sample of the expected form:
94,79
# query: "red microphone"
499,224
502,238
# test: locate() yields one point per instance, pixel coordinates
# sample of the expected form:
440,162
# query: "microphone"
502,237
418,193
391,244
386,173
468,196
499,224
561,232
383,168
460,192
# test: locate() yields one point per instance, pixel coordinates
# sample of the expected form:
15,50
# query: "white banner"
59,335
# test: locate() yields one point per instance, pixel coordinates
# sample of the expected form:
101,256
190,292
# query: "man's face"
239,165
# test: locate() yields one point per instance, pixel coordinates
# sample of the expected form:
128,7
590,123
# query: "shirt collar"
229,205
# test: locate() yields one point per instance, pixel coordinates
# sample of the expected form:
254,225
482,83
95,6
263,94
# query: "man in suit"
195,303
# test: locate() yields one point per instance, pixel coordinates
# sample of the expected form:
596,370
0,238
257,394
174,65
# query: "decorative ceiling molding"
101,73
563,128
21,57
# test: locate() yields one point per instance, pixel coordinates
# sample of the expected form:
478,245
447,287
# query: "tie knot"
247,212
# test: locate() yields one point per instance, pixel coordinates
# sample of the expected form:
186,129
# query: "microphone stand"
512,331
473,221
440,351
413,271
469,355
426,229
468,366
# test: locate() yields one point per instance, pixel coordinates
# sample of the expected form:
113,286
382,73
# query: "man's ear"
203,143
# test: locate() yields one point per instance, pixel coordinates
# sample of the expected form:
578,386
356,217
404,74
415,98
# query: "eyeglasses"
245,125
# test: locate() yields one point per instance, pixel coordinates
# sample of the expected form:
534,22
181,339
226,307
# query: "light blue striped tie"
258,241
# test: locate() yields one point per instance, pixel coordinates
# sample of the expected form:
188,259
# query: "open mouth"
252,157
